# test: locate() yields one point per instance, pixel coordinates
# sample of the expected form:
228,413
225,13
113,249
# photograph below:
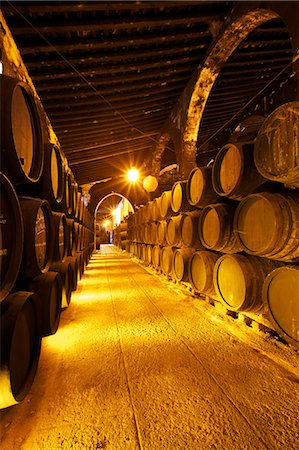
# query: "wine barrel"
281,300
180,262
71,237
267,224
153,232
149,254
234,173
165,205
166,260
179,200
75,270
60,236
68,193
65,271
20,346
189,229
156,252
238,281
200,270
38,229
22,152
143,253
48,287
161,232
276,148
156,210
173,230
215,228
11,236
200,191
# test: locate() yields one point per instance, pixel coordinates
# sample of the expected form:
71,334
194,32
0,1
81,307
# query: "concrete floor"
139,364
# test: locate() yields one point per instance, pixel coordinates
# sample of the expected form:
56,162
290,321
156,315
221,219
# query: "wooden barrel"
281,300
179,200
65,271
147,233
22,152
11,236
215,228
75,271
38,230
81,263
149,254
189,229
71,237
267,224
238,281
48,287
153,232
156,252
68,193
173,230
161,232
234,173
200,191
156,209
180,263
166,260
200,270
143,253
165,205
51,184
276,148
59,236
20,346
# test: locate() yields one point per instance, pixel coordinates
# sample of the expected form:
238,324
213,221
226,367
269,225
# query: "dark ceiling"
109,73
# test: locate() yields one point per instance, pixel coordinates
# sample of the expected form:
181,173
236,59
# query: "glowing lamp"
133,175
150,183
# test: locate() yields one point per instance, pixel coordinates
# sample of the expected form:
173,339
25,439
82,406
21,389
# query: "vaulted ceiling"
109,73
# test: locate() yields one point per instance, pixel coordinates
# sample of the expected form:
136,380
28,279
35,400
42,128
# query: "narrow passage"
138,364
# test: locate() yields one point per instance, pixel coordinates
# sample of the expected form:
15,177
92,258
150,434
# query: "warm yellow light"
133,175
114,212
106,223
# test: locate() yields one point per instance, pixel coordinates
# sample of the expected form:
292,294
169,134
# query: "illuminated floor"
137,364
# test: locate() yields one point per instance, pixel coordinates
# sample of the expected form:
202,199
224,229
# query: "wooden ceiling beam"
108,58
114,100
77,45
120,89
119,79
20,27
79,7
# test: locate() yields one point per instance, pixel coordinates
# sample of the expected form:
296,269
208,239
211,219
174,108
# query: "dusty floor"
138,364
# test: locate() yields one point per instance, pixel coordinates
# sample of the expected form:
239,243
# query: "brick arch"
236,32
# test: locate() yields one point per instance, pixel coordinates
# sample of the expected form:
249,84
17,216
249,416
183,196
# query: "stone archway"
110,195
237,31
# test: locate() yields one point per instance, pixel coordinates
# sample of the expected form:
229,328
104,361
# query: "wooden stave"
14,307
16,225
209,259
183,205
193,240
65,271
227,241
42,285
175,223
208,193
30,207
292,337
249,178
255,270
269,169
285,244
185,255
10,164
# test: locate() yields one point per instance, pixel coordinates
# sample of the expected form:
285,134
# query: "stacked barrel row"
232,230
46,237
120,236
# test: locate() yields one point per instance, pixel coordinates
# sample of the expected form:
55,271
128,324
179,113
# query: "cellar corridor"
137,363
